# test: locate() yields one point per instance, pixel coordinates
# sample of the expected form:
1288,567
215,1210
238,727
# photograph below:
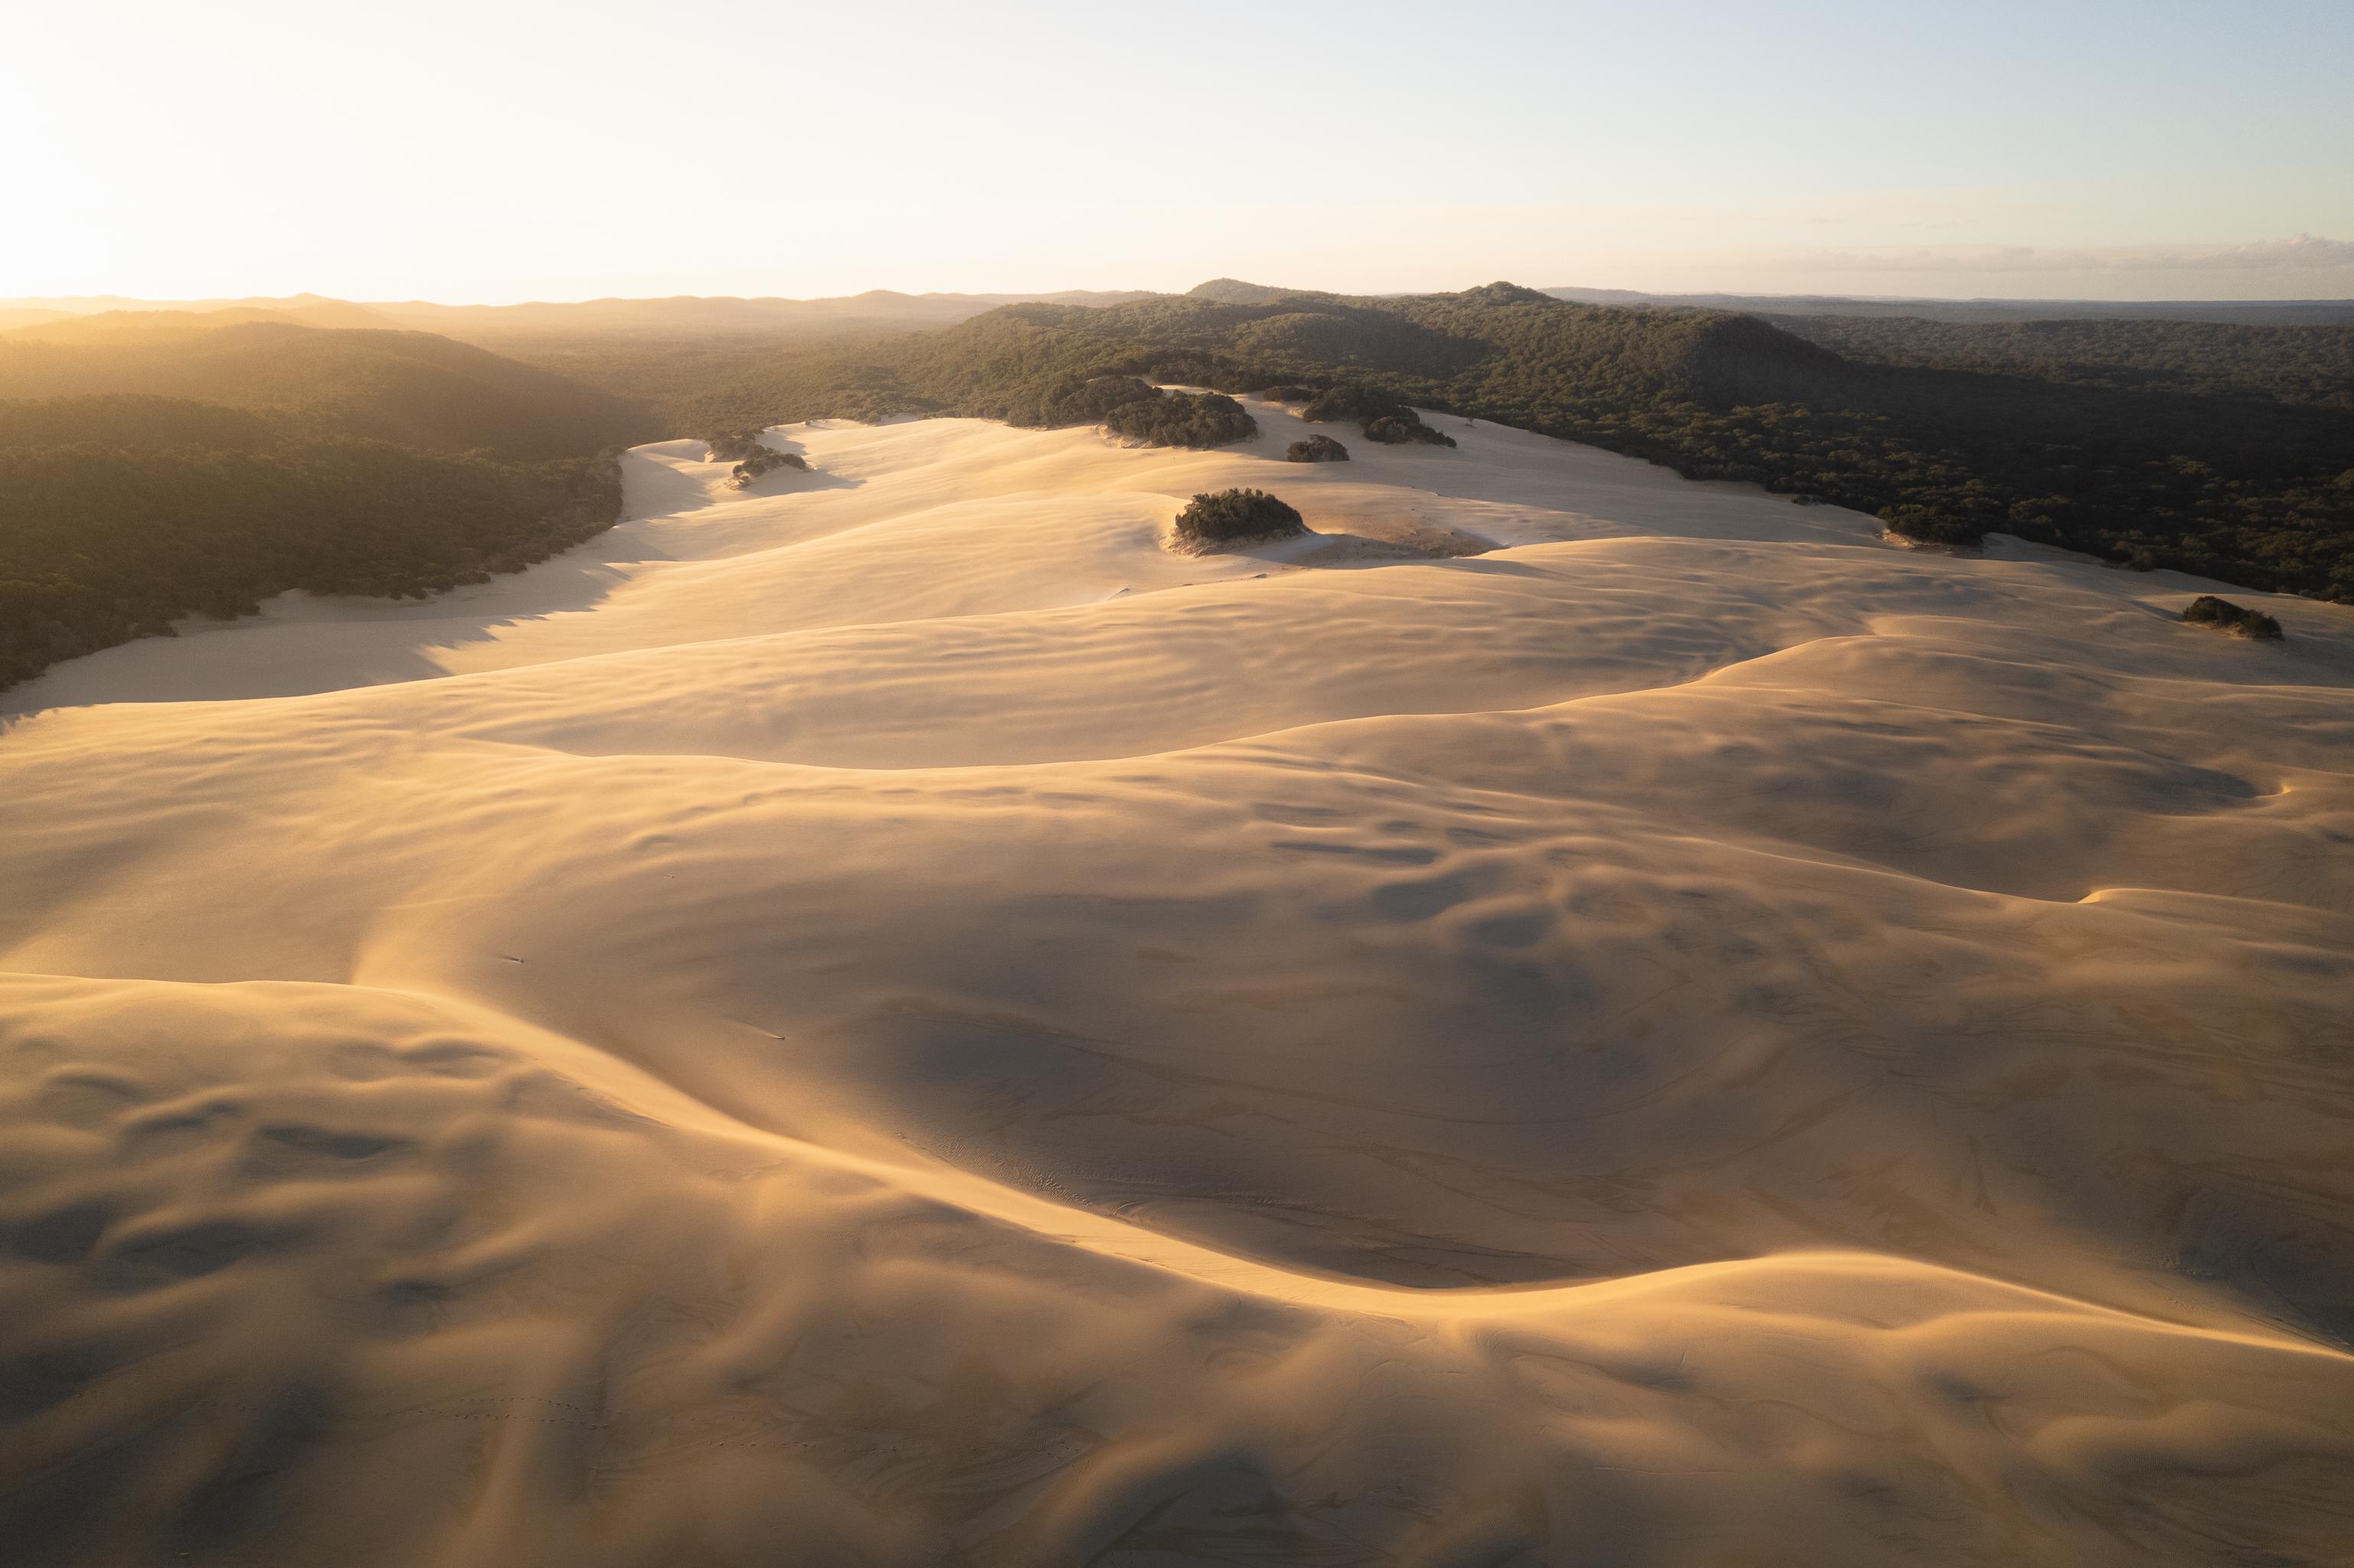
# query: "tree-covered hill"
2194,474
2297,365
409,388
162,474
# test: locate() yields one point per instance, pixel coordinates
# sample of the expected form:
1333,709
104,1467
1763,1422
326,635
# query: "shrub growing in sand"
2224,616
1403,428
1316,449
731,446
1183,419
1288,395
767,460
1231,516
1383,418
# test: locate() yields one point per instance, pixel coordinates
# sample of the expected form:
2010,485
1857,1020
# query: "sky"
506,150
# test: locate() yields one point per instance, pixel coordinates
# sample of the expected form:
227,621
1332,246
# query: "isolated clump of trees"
732,446
1183,419
767,460
1287,394
1132,407
1383,418
2224,616
1236,517
1400,430
1316,449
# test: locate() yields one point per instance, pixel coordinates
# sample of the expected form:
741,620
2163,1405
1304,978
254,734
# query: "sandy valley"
889,1018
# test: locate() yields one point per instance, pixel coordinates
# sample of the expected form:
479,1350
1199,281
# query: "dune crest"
890,1019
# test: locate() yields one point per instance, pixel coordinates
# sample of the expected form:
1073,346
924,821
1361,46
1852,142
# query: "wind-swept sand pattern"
889,1018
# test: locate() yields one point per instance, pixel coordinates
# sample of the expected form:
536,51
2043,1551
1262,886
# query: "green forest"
153,478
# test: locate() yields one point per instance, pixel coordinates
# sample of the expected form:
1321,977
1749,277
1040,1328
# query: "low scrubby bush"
1316,449
767,460
731,446
1403,429
2224,616
1383,418
1228,516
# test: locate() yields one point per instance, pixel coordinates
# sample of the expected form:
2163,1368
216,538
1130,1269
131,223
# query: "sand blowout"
901,1021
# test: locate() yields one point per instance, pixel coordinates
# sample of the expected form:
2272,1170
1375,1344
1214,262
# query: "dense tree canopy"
1183,419
1316,449
2225,615
764,461
101,542
1233,516
341,462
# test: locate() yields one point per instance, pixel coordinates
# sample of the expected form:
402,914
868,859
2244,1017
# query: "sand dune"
888,1018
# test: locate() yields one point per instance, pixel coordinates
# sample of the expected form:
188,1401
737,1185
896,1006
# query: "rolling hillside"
410,387
154,472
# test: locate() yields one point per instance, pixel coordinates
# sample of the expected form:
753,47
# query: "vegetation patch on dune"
2224,616
1404,429
752,455
767,460
1183,419
1316,449
1132,407
731,446
1224,517
1384,420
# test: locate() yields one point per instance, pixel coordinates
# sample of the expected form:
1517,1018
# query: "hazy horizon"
114,301
528,152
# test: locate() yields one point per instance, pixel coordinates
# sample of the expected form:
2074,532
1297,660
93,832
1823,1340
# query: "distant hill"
159,326
311,310
13,318
1234,291
409,388
2250,312
698,317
